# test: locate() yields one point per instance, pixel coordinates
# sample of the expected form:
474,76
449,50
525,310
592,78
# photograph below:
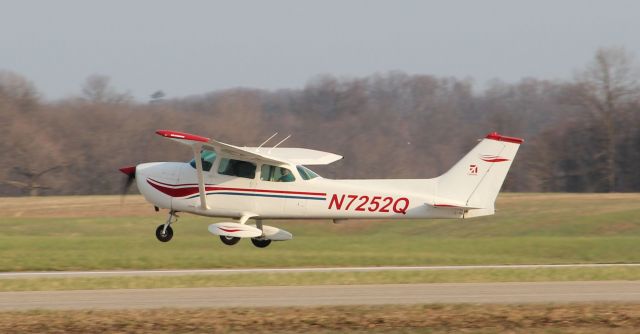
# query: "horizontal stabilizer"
234,230
449,204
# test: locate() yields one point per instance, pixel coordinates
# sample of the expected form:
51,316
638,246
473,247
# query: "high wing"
295,156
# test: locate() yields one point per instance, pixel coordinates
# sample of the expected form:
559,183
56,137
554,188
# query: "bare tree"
97,88
34,157
386,125
33,182
604,88
157,96
18,90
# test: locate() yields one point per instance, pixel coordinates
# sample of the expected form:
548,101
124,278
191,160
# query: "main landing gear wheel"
230,241
260,243
166,235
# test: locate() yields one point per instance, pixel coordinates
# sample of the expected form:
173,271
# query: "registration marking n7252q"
369,203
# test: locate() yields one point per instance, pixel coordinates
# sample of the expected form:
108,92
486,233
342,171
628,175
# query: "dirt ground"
75,206
575,318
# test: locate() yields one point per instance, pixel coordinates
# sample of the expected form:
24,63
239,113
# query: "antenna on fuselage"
258,148
276,145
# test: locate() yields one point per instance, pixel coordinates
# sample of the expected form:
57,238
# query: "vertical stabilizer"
476,179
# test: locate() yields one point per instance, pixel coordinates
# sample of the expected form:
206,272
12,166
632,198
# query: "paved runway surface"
541,292
104,273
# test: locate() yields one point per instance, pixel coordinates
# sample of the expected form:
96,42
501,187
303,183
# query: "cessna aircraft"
261,183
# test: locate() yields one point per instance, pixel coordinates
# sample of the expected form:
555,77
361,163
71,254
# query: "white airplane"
261,183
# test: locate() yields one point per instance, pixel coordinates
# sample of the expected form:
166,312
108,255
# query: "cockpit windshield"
306,173
207,157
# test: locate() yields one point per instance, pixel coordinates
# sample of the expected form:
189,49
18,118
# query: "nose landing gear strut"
164,232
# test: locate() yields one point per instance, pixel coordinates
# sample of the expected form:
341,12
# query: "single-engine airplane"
262,183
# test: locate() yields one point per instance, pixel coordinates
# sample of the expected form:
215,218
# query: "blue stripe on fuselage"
261,195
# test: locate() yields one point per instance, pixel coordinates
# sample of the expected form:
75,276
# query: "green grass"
322,278
528,229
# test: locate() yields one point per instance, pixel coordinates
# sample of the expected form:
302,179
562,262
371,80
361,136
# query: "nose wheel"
164,232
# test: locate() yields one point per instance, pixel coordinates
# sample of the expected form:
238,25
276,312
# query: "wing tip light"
499,137
181,135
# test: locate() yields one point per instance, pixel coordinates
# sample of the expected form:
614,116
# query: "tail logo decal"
492,158
473,169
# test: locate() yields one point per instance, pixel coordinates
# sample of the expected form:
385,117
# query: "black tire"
260,243
164,237
230,241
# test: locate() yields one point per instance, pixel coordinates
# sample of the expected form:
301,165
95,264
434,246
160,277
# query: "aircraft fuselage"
174,186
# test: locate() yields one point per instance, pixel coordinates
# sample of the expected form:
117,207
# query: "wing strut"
198,159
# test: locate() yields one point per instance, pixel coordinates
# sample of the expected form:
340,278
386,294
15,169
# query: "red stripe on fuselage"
182,192
174,192
269,191
178,185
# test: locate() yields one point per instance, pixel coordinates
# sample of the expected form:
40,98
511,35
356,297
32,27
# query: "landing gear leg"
164,232
260,242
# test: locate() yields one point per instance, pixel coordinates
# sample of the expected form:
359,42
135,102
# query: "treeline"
582,134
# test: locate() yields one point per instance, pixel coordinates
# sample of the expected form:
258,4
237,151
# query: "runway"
177,272
323,295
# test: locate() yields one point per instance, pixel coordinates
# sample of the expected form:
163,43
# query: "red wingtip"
131,170
499,137
181,135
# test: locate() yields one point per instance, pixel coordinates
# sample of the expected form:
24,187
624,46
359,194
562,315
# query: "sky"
192,47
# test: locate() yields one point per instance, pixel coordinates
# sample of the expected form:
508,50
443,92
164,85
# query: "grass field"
98,232
320,278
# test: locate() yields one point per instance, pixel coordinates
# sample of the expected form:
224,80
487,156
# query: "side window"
207,157
237,168
276,174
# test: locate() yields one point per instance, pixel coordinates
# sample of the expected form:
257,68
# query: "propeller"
130,172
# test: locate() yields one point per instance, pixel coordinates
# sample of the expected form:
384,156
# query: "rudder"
476,179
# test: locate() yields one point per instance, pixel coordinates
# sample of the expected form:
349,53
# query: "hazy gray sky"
192,47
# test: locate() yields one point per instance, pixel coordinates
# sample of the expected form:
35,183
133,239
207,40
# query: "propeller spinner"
131,176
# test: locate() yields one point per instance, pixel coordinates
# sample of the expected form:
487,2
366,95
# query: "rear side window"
237,168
